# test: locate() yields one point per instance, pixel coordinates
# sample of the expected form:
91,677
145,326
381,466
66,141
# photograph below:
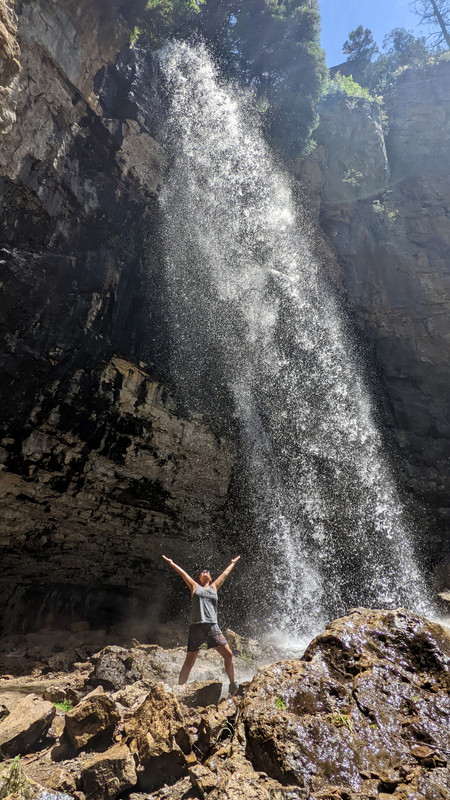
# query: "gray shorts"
201,632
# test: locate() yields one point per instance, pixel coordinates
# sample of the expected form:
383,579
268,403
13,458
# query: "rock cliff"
99,472
384,199
100,469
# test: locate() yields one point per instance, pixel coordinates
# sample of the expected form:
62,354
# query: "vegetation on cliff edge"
269,45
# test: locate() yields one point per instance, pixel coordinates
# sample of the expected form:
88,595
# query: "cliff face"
385,205
99,472
99,469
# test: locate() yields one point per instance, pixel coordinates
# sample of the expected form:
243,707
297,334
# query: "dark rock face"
366,709
93,491
385,203
98,466
81,305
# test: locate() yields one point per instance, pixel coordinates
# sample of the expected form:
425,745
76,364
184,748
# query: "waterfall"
255,326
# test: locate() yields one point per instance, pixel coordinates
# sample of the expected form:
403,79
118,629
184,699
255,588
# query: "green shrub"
64,705
343,84
353,177
340,721
15,783
159,20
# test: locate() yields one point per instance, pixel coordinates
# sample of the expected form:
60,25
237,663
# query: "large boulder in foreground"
27,723
105,775
91,720
366,710
157,737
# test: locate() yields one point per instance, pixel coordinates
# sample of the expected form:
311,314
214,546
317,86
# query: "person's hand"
169,560
233,560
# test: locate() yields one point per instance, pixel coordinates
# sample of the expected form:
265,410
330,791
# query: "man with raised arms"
204,627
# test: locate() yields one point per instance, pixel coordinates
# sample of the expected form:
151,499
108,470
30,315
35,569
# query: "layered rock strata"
95,493
94,487
100,472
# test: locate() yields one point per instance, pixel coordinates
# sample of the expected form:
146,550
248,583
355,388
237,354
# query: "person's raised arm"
219,581
187,578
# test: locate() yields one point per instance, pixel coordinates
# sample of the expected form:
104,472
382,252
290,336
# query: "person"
204,626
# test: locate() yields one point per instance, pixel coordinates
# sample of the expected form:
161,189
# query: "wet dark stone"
369,701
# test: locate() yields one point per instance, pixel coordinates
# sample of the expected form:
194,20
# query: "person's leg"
189,662
227,655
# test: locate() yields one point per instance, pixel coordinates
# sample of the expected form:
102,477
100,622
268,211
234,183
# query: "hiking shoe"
233,687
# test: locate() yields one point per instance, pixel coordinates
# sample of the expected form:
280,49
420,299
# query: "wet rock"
248,649
96,716
391,236
83,482
25,725
156,734
367,692
106,775
142,155
356,160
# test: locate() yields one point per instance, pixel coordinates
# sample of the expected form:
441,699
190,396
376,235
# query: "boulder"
199,694
42,770
96,716
181,790
357,710
233,777
106,775
110,670
214,727
116,667
248,649
25,725
157,736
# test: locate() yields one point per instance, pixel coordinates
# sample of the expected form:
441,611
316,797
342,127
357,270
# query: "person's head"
204,577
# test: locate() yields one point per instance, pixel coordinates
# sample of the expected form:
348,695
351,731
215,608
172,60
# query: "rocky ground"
364,713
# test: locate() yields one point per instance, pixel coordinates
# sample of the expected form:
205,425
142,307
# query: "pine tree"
273,45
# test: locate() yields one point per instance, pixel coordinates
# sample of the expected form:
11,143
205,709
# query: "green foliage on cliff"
272,46
159,20
401,49
344,84
360,46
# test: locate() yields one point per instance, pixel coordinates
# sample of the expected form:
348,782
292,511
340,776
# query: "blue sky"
339,17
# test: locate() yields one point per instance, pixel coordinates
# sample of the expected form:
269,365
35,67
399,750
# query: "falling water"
254,322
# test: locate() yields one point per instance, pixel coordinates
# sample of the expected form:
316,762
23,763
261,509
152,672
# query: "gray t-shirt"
204,605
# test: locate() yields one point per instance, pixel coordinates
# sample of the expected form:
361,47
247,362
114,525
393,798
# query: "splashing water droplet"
257,320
